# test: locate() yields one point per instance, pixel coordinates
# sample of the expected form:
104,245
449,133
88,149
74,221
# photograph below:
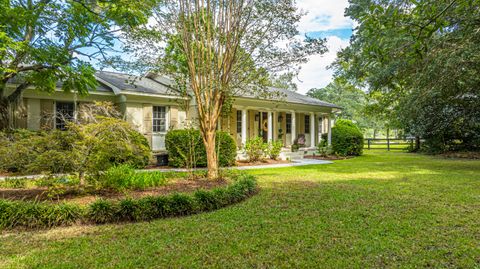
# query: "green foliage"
34,152
37,215
408,56
16,183
106,143
186,148
43,215
38,39
255,149
274,149
347,140
124,177
323,149
90,147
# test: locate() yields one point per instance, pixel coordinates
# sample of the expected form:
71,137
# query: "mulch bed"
263,162
85,197
327,158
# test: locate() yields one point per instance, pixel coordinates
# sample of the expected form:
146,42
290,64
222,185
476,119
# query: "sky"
325,18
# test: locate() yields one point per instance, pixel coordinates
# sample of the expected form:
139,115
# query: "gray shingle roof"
136,84
155,84
295,97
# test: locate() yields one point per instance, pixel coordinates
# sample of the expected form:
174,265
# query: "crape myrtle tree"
46,42
420,62
215,50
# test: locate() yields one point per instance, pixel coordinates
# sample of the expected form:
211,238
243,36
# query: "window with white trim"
307,124
159,119
64,112
239,121
289,123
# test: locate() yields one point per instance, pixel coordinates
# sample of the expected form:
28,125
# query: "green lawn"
384,209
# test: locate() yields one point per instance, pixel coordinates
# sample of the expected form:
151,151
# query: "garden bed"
106,207
85,196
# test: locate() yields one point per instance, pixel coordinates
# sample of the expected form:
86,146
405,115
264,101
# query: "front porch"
302,127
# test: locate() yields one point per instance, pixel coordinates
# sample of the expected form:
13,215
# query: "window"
239,121
307,124
320,124
289,123
159,119
63,113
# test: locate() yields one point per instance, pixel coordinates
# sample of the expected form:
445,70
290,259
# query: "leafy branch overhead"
419,60
47,42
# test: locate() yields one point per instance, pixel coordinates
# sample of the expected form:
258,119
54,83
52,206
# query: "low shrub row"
44,215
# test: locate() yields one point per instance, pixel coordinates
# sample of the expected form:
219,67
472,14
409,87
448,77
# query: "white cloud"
323,15
315,74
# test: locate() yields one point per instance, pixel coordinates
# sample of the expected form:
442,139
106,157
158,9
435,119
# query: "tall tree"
420,61
219,49
44,42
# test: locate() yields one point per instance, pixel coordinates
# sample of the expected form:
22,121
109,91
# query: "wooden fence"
388,143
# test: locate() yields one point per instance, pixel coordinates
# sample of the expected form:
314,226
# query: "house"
153,107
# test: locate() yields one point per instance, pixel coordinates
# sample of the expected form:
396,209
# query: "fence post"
388,139
368,143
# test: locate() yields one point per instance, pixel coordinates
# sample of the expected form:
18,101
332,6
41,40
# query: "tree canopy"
47,42
420,62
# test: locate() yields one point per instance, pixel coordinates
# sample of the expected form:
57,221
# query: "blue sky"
324,18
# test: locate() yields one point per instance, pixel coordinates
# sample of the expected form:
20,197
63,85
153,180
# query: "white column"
294,127
270,126
312,129
329,130
244,127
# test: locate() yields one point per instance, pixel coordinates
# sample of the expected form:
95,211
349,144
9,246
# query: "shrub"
89,147
255,149
102,211
274,149
324,151
37,215
123,177
106,143
186,149
347,139
17,183
44,215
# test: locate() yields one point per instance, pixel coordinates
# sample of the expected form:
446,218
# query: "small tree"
216,50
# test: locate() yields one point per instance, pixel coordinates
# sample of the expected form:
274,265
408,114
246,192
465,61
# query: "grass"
384,209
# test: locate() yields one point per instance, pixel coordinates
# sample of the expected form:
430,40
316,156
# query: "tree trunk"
212,164
5,114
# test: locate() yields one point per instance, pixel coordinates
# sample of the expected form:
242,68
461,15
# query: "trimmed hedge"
347,139
44,215
186,149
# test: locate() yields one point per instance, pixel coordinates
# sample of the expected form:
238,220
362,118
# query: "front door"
159,128
264,126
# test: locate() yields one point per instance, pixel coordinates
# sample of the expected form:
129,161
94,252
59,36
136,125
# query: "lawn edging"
34,215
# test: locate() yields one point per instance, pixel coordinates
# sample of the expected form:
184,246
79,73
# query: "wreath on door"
265,125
